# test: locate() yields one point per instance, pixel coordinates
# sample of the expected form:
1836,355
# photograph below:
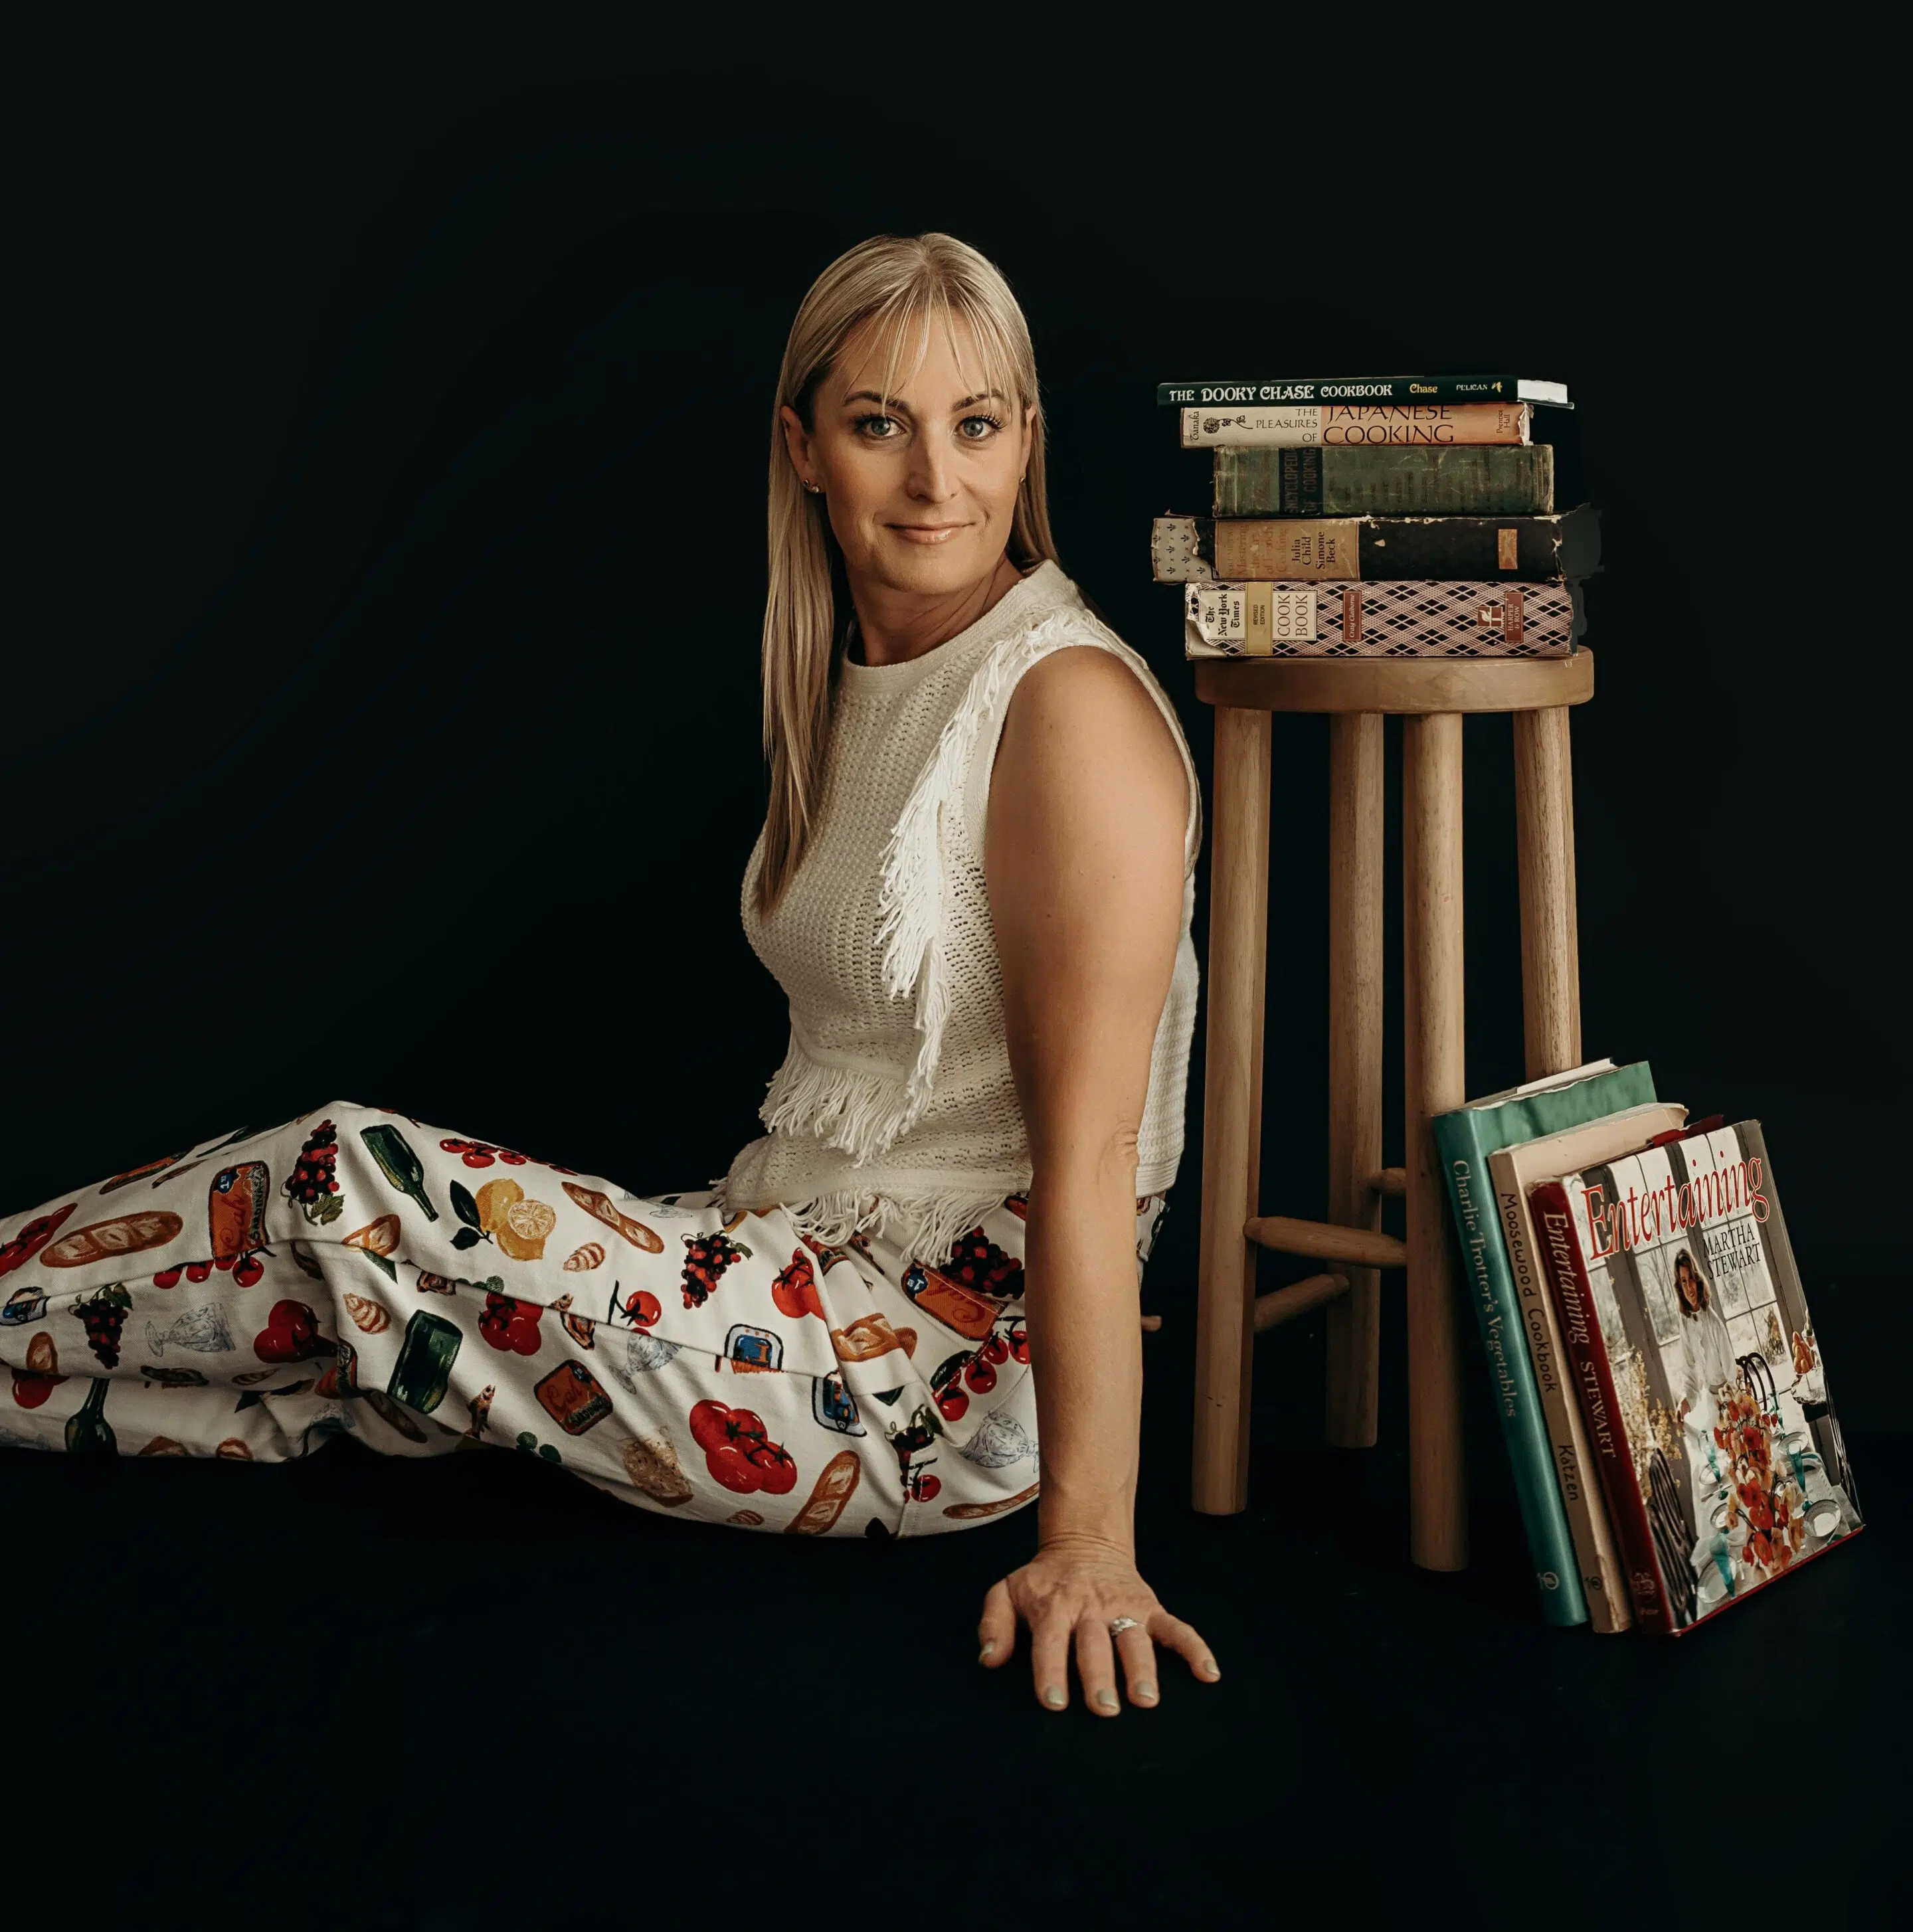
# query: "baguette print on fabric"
356,1272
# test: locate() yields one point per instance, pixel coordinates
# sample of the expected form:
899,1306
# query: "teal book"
1464,1140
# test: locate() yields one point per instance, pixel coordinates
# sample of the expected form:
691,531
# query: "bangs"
900,330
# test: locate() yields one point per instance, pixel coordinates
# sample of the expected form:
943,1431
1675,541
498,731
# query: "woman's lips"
926,533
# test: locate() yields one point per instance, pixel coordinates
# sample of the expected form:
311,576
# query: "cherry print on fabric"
692,1377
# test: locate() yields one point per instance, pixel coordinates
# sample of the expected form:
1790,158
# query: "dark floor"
471,1692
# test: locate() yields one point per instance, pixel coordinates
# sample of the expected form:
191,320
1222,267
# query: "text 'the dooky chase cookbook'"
1694,1356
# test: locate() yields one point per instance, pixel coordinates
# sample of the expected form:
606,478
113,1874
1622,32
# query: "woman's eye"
977,429
876,428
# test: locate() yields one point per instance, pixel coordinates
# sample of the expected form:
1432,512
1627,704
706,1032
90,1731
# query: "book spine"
1418,619
1459,481
1435,425
1375,550
1603,1580
1566,1271
1516,1400
1360,389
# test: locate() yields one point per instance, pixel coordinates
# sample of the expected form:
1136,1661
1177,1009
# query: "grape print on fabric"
354,1271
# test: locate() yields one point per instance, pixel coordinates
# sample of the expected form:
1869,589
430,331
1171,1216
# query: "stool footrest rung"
1284,1304
1391,1180
1323,1241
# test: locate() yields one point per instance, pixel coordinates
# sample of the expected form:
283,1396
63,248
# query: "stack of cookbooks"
1401,516
1655,1367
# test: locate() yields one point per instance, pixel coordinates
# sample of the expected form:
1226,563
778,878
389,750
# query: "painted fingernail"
1052,1696
983,1653
1107,1698
1214,1669
1146,1690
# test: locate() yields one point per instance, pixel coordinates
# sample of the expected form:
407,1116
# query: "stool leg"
1432,986
1544,834
1232,1108
1355,1062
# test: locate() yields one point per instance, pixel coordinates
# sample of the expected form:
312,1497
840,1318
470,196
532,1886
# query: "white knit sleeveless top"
895,1110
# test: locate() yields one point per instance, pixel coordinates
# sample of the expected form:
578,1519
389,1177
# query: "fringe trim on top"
844,1107
923,1229
861,1112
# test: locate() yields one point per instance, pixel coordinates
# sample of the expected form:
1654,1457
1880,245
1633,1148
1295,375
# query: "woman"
1707,1365
975,883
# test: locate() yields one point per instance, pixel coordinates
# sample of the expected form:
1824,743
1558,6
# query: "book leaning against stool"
1672,1374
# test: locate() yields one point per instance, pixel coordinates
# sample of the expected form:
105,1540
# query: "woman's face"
1683,1280
921,486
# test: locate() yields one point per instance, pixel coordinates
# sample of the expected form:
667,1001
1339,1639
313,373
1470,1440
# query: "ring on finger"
1122,1623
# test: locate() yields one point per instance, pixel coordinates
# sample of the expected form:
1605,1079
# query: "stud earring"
816,489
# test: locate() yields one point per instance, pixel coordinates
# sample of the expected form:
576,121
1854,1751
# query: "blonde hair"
897,281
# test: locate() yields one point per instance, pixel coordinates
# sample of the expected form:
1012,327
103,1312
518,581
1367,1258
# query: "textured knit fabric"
895,1108
255,1297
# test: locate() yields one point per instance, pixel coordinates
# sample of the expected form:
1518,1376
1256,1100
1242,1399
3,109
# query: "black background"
382,715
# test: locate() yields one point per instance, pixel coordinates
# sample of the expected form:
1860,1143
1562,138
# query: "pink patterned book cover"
1411,619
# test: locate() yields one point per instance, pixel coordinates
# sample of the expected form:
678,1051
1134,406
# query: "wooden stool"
1431,693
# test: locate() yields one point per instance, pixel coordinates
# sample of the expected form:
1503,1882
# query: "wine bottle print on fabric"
399,1164
797,1387
87,1432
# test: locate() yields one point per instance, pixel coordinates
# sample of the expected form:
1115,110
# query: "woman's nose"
931,478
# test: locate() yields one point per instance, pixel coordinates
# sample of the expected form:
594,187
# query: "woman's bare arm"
1088,804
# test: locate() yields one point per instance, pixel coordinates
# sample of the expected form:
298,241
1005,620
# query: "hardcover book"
1511,1171
1291,425
1698,1371
1463,480
1367,389
1464,1137
1327,549
1414,619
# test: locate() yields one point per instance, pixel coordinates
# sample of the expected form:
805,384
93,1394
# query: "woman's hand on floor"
1069,1594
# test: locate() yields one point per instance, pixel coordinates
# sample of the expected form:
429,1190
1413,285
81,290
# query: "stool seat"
1396,685
1430,694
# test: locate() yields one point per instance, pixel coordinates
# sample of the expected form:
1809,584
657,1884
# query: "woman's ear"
797,441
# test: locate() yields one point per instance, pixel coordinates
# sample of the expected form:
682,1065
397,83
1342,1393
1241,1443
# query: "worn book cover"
1699,1370
1328,550
1513,480
1511,1170
1367,389
1357,425
1414,619
1465,1137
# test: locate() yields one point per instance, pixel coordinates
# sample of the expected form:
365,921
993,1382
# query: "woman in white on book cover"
1708,1365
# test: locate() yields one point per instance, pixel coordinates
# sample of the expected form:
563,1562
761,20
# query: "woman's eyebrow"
897,402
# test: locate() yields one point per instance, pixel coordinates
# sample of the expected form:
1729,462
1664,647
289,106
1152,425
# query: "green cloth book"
1460,480
1464,1140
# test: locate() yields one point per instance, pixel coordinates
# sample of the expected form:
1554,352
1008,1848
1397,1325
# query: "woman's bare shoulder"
1081,729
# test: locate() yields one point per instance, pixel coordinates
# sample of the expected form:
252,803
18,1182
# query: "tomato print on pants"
707,1362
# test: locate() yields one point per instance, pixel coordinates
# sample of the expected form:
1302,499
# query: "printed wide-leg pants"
355,1272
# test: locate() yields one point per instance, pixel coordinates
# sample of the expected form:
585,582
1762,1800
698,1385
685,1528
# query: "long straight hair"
916,281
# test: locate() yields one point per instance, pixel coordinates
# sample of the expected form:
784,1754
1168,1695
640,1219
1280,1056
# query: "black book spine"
1377,550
